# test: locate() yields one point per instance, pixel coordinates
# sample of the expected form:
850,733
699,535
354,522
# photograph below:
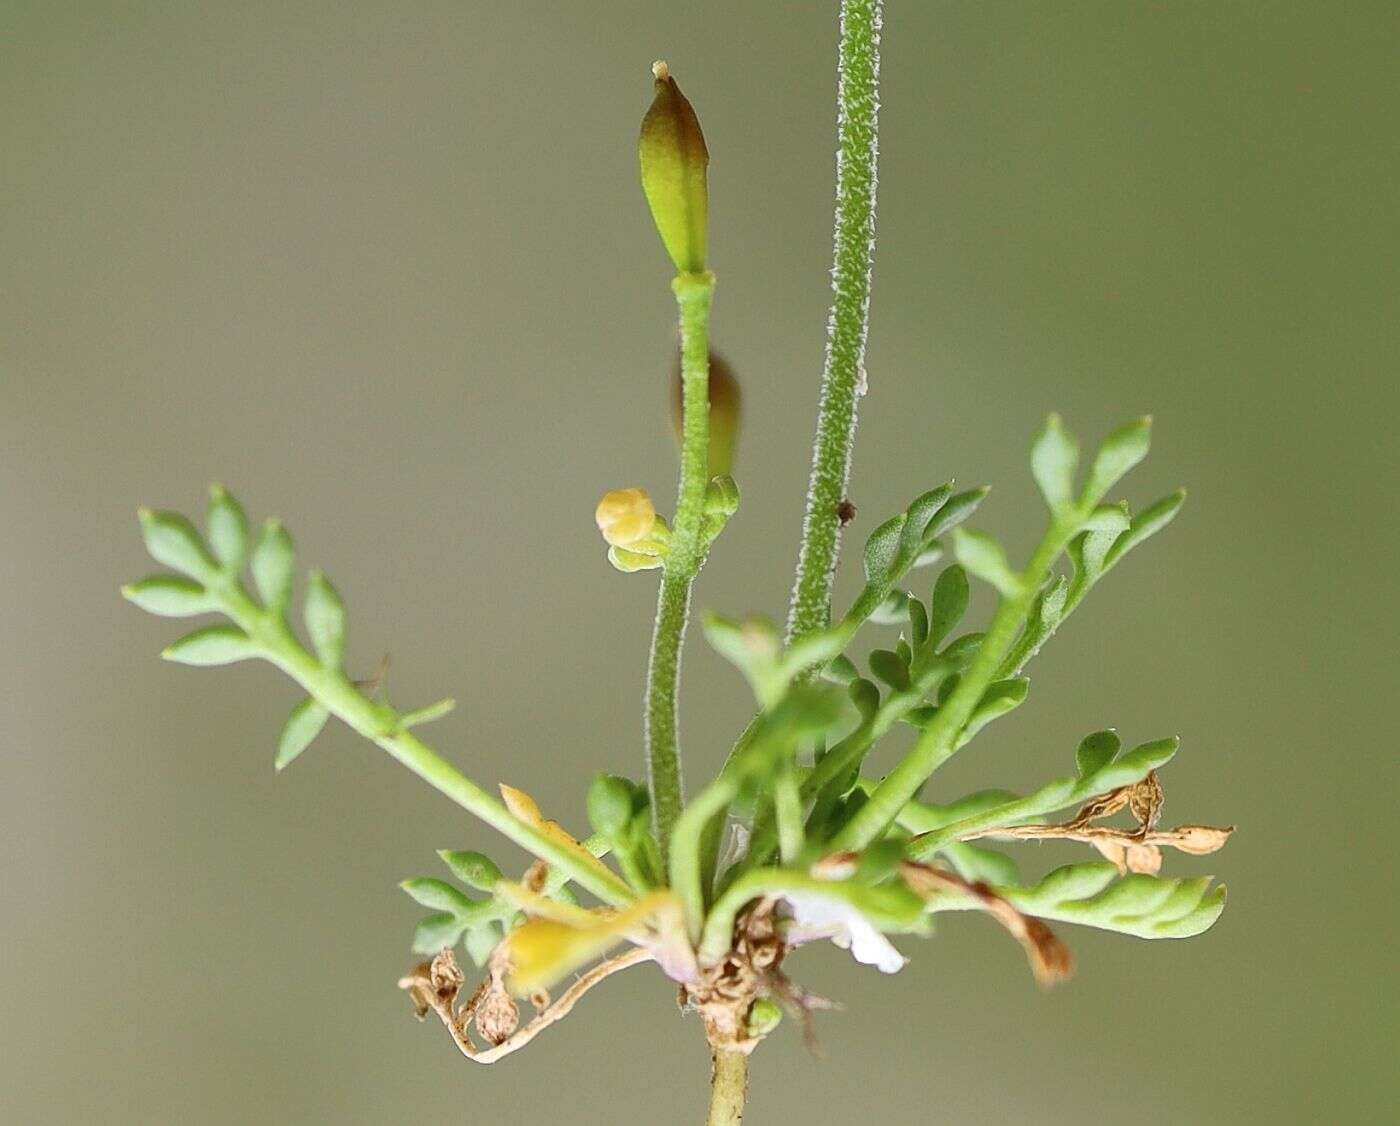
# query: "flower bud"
721,497
625,516
725,401
610,801
673,161
764,1016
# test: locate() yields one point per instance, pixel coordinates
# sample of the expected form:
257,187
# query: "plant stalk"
383,727
729,1082
843,374
694,293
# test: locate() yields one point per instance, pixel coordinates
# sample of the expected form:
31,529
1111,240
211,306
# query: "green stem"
694,293
382,726
858,91
729,1084
940,738
857,111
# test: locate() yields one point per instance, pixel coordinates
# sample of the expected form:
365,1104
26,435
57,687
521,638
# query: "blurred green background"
385,269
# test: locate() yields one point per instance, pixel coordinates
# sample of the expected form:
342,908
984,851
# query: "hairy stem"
858,98
857,134
694,293
729,1083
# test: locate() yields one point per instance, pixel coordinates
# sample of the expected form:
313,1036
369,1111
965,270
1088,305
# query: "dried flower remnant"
1049,958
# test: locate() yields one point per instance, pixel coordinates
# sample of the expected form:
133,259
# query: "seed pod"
625,516
673,161
725,401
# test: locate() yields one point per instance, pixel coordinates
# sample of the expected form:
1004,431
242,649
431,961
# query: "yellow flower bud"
674,160
625,516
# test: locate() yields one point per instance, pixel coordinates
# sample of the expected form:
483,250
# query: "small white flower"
816,916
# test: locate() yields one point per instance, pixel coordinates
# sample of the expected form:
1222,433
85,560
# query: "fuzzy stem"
729,1083
694,293
857,148
858,103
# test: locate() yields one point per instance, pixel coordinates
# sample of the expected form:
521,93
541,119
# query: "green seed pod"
673,160
725,403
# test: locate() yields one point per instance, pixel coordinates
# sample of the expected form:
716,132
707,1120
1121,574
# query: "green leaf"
888,667
985,558
918,516
437,932
426,714
752,645
169,596
228,528
325,620
926,817
1096,751
274,565
1000,697
882,548
1054,455
973,862
918,623
948,603
472,868
437,895
171,539
1143,906
481,941
865,696
1087,551
1129,768
302,726
893,610
958,509
961,650
1108,518
1086,894
1145,524
213,645
841,670
1121,450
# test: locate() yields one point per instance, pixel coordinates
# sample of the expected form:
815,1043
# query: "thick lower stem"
687,551
729,1085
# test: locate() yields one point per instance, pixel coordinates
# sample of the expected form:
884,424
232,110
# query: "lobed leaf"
172,540
228,528
324,612
212,645
274,565
302,726
1054,455
170,596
